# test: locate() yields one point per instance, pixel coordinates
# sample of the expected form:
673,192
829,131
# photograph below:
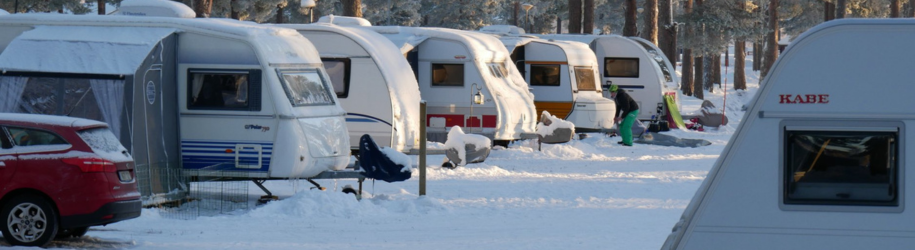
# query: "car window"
4,140
34,137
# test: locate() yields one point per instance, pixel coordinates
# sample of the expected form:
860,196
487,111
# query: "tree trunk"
830,9
840,9
709,68
686,79
517,8
771,39
201,7
101,7
716,68
894,9
740,55
667,32
280,17
558,25
757,56
650,30
630,29
575,16
909,9
352,8
233,13
588,17
699,75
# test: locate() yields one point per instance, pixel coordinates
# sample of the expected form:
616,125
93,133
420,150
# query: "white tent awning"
81,50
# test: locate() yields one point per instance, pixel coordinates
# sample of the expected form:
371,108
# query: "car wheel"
72,232
28,221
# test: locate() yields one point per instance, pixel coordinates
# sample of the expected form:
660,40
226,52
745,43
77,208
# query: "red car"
61,175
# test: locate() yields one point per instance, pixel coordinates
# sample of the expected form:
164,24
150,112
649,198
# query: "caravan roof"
273,43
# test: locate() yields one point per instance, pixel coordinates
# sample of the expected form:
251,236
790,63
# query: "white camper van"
819,160
562,75
628,64
467,79
208,94
373,82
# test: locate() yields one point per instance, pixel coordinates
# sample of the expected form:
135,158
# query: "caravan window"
447,74
339,70
223,90
306,88
585,78
498,70
544,75
621,67
841,167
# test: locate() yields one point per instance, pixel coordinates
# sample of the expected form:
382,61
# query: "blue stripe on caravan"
205,165
366,118
192,152
220,147
631,86
228,142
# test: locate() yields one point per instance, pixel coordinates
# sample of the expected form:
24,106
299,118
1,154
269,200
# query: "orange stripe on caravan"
558,109
545,62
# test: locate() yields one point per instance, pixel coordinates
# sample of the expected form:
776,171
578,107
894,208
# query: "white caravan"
208,94
372,80
562,75
467,80
819,160
627,64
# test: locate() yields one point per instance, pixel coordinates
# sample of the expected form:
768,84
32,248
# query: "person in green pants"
626,110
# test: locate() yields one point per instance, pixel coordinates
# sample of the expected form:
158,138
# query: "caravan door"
222,126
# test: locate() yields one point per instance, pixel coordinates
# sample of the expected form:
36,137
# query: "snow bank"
327,204
457,140
550,123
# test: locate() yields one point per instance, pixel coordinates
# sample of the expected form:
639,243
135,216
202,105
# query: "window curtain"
109,94
11,88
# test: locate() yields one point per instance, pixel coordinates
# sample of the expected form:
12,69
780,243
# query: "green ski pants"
626,127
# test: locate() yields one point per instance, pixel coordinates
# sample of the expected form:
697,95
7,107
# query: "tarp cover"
82,50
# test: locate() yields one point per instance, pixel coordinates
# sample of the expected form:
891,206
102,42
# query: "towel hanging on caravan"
820,158
209,94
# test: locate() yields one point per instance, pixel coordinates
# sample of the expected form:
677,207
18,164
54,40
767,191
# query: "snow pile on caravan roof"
161,8
344,20
3,12
93,50
503,30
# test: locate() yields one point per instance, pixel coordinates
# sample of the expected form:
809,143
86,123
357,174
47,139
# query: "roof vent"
159,8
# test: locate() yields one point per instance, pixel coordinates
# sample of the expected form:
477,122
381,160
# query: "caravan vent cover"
160,8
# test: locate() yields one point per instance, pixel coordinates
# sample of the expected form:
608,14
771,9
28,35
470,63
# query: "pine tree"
630,28
650,29
392,12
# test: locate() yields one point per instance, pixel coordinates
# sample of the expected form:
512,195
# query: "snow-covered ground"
586,194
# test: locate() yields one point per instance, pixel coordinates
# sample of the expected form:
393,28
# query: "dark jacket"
624,103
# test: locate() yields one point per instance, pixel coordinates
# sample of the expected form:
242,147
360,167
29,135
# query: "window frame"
558,74
637,67
897,180
347,71
432,75
254,89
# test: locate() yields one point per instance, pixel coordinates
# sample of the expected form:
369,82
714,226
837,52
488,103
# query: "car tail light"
88,165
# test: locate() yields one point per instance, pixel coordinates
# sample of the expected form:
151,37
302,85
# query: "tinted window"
544,75
34,137
621,67
447,74
305,88
339,70
841,168
219,90
585,78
